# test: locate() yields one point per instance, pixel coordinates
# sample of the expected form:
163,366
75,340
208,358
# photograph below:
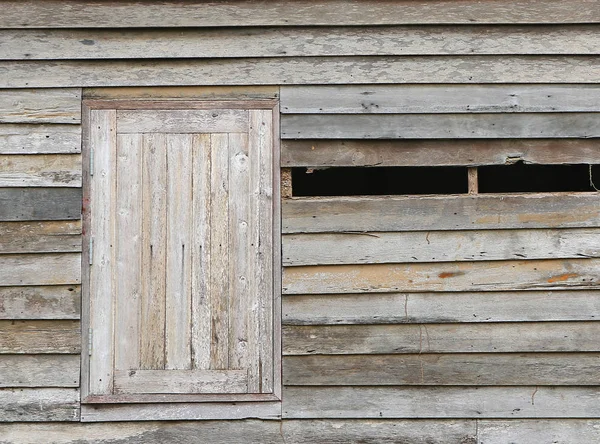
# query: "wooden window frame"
180,406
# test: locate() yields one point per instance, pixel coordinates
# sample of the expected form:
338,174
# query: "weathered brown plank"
302,71
439,126
40,237
39,105
442,338
572,431
395,213
40,269
399,99
39,337
47,170
233,93
445,369
441,402
30,14
393,308
290,42
39,139
315,153
39,371
47,404
438,246
40,204
50,302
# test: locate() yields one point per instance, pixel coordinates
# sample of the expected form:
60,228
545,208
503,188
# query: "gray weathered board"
47,170
40,237
39,105
40,204
39,139
40,302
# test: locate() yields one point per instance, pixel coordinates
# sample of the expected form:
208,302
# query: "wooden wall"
465,319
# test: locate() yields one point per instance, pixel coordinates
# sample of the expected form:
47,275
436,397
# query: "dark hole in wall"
370,181
521,177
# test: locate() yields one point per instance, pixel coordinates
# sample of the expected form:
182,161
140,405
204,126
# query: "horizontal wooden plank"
446,369
317,153
30,337
395,308
40,237
46,302
249,431
40,204
182,121
40,404
439,126
302,71
425,213
559,274
296,42
40,269
180,381
39,105
438,246
441,402
233,93
572,431
54,13
39,139
39,370
442,338
46,170
404,99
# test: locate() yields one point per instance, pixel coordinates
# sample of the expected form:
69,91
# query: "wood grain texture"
315,153
40,204
293,42
442,338
40,139
27,337
29,14
438,246
441,402
40,269
440,126
39,371
40,105
443,370
48,170
32,405
405,308
233,93
40,237
403,99
182,121
573,431
395,213
302,71
40,302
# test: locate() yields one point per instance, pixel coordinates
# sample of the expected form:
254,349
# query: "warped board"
48,170
40,302
40,204
307,70
40,269
466,152
40,237
441,402
39,370
296,42
39,139
405,308
442,338
41,105
438,246
445,369
39,404
28,337
425,213
555,274
79,14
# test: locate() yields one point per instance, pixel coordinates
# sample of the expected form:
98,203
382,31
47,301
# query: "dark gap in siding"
371,181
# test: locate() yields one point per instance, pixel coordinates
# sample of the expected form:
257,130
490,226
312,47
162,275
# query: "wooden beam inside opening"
473,180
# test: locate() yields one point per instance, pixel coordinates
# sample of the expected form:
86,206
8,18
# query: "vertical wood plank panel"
179,247
219,250
154,235
201,297
102,192
128,251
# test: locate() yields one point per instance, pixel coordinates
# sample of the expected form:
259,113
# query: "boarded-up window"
180,229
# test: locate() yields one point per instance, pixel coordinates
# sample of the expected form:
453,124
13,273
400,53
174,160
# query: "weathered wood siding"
443,320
